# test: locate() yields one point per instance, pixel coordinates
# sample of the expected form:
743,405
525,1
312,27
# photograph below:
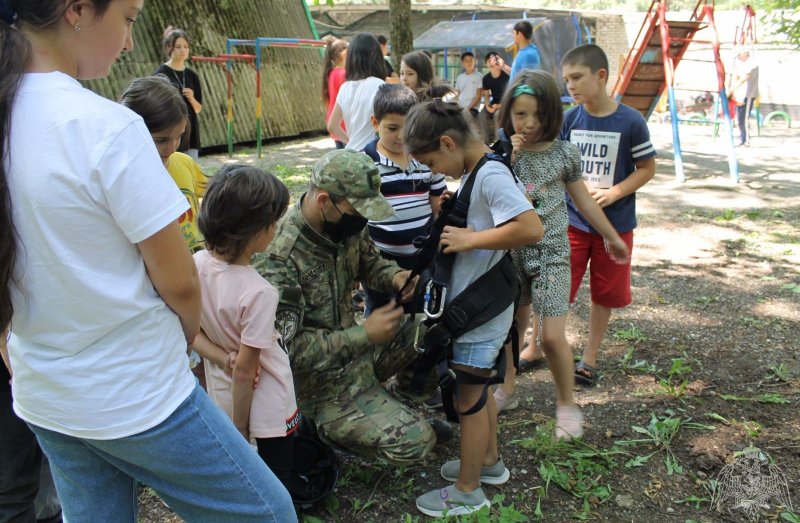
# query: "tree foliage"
783,18
779,18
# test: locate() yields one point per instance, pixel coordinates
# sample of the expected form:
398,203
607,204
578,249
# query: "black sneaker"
442,428
434,402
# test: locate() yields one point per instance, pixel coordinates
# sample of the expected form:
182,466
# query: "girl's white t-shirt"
355,99
95,352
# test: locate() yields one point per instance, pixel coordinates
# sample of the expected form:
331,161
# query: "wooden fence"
290,77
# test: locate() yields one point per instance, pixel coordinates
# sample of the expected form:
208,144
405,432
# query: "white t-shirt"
96,353
495,199
467,86
239,307
355,98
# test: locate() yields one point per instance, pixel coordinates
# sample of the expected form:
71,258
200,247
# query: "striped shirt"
409,191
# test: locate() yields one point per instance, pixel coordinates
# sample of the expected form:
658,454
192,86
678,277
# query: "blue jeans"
481,354
195,460
743,116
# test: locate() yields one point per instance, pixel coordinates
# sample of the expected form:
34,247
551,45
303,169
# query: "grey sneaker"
451,502
497,474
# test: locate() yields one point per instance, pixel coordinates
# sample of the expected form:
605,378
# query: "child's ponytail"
427,122
335,47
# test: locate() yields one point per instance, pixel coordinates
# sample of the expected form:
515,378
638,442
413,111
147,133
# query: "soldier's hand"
399,281
383,323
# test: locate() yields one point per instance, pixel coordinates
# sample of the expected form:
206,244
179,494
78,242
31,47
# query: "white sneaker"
505,402
569,422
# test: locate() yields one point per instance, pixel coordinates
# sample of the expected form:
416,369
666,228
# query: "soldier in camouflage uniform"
319,251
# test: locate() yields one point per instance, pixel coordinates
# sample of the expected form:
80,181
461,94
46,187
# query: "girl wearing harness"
500,217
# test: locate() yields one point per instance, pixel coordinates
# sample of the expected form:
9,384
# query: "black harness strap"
484,299
452,212
481,301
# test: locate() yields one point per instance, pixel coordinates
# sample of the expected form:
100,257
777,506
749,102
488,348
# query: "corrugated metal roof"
470,34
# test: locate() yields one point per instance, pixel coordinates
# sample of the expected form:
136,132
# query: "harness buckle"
441,295
417,347
447,379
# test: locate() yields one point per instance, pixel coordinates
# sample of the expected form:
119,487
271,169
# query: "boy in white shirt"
468,84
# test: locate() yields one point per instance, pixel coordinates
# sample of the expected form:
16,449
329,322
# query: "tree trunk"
401,36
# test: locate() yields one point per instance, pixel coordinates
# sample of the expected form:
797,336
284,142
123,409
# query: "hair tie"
7,14
523,89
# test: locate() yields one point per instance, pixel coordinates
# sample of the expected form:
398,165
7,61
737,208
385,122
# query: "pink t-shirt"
239,307
335,81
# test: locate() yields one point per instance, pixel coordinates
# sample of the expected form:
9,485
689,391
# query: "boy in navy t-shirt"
617,159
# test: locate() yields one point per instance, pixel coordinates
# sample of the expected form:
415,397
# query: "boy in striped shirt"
411,188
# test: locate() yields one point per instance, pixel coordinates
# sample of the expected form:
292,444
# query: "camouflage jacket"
328,351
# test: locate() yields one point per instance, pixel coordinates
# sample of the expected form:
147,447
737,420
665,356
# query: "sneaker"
569,422
451,502
504,402
434,402
497,474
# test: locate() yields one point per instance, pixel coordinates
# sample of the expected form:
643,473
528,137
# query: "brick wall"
612,36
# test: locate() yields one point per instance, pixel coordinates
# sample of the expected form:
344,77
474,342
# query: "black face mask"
349,225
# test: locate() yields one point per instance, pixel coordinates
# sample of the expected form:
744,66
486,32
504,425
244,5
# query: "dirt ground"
702,365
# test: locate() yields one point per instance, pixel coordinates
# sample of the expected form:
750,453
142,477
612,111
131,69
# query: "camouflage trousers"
366,420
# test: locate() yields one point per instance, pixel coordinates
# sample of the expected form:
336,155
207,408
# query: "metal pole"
669,77
733,165
258,98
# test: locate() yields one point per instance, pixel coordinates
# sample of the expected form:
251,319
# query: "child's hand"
604,197
618,251
518,141
188,93
231,362
445,196
456,239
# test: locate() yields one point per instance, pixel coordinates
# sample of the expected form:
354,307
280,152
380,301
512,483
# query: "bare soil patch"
708,353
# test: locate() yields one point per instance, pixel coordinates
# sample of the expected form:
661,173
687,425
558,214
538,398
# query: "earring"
77,27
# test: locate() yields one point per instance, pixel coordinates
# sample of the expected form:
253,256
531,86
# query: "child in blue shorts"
500,217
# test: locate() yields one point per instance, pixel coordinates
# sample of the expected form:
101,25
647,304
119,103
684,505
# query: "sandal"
585,374
527,365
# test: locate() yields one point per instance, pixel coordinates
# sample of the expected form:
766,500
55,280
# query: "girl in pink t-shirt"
238,339
333,78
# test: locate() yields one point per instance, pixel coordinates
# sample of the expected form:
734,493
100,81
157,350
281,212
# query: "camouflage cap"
353,176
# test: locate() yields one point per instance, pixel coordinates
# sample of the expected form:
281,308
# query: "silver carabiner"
420,350
428,298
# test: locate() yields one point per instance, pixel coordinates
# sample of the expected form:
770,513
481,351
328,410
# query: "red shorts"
609,282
